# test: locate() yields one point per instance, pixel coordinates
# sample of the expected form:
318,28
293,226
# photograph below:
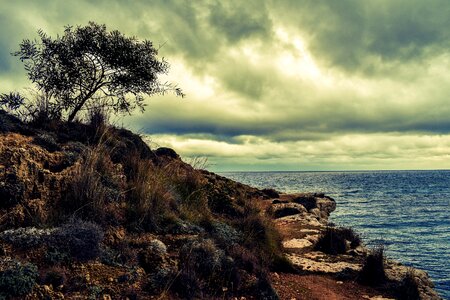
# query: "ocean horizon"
405,210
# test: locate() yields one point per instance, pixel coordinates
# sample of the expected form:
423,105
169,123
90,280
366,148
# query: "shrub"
331,242
47,141
153,257
191,193
204,269
79,239
350,235
409,287
372,272
225,234
245,259
54,276
18,280
334,240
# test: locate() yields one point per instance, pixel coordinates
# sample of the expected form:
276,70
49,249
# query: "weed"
150,198
259,233
331,242
372,272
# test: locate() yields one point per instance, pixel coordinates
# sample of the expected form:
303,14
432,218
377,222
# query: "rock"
314,262
307,200
44,292
297,243
168,152
271,193
397,272
315,212
286,209
326,204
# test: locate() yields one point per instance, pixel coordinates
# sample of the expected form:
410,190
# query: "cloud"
369,35
278,84
369,151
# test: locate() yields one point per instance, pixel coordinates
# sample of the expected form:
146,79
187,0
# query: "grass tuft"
373,271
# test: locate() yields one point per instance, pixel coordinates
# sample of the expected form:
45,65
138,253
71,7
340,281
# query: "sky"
277,85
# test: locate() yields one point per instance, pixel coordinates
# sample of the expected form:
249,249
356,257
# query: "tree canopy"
90,67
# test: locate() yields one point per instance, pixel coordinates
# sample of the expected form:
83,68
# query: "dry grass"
164,192
409,289
334,240
150,196
94,183
373,272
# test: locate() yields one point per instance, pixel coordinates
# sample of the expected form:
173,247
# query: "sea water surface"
407,211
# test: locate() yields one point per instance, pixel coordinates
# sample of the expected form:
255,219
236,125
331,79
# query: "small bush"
245,259
18,280
98,118
47,141
204,270
409,288
153,257
55,256
190,193
350,235
372,272
79,239
334,240
54,277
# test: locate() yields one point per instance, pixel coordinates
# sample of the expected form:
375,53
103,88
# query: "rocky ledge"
303,220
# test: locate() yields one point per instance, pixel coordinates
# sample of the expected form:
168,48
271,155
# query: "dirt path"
319,287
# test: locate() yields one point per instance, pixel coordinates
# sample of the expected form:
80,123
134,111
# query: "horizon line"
328,171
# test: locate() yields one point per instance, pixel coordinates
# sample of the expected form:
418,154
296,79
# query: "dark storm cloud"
322,82
241,19
346,33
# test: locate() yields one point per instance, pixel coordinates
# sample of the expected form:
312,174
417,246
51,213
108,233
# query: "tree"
90,67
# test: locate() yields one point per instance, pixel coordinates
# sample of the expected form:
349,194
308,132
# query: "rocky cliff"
90,211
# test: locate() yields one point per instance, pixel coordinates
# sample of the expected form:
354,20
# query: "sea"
406,211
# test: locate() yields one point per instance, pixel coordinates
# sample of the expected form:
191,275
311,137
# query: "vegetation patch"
18,280
78,239
334,240
373,270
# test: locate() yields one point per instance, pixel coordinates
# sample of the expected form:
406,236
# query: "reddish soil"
317,287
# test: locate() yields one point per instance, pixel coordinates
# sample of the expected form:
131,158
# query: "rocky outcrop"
303,218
